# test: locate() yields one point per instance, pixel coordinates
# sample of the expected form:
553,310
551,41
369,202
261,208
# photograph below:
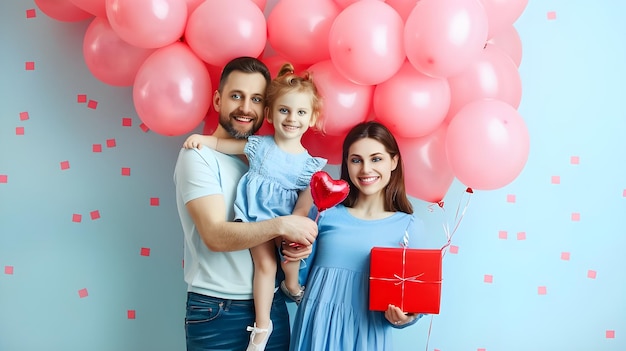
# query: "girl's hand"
193,141
397,317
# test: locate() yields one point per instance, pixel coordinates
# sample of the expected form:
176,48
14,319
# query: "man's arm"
209,213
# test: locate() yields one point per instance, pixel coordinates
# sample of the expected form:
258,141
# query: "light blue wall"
573,76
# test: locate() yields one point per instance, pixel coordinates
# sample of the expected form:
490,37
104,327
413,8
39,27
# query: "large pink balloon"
502,13
172,90
298,30
345,103
411,104
275,62
508,39
108,57
487,144
147,23
442,37
62,10
427,173
218,31
95,7
324,145
345,3
493,75
366,42
403,7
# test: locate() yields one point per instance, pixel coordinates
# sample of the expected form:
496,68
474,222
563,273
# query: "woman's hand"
295,252
397,317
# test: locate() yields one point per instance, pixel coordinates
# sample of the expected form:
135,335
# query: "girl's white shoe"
261,345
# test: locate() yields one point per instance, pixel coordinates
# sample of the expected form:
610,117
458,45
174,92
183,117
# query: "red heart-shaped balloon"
327,192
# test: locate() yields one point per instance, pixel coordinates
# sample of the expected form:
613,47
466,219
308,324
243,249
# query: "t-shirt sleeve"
197,174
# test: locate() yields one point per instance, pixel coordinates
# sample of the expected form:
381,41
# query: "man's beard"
227,124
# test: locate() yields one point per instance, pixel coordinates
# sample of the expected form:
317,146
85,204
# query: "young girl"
276,184
334,313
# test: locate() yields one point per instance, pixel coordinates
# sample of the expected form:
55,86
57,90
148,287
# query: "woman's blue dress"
334,313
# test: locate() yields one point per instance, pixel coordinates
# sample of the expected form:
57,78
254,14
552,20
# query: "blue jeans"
218,324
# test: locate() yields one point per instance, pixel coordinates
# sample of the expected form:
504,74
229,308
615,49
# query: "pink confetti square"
510,198
565,256
610,334
8,270
145,251
575,216
556,180
127,122
542,290
29,65
19,130
24,116
94,215
574,160
81,98
154,201
503,234
111,143
624,193
31,13
82,293
65,165
92,104
591,274
481,349
131,314
96,148
521,236
454,249
125,171
144,127
488,278
4,178
77,218
551,15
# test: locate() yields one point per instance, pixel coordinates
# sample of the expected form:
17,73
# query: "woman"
334,314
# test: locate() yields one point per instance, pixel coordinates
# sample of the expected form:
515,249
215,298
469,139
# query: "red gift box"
407,278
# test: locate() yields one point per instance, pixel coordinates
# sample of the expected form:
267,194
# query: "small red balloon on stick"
326,191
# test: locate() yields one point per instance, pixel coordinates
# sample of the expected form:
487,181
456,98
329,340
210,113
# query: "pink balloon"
260,3
172,90
108,57
275,62
403,7
147,23
345,103
442,37
487,144
218,31
366,42
192,5
345,3
493,75
298,30
508,39
324,145
62,10
94,7
427,173
411,104
502,13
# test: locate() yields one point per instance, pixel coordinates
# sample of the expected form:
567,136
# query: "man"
218,265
